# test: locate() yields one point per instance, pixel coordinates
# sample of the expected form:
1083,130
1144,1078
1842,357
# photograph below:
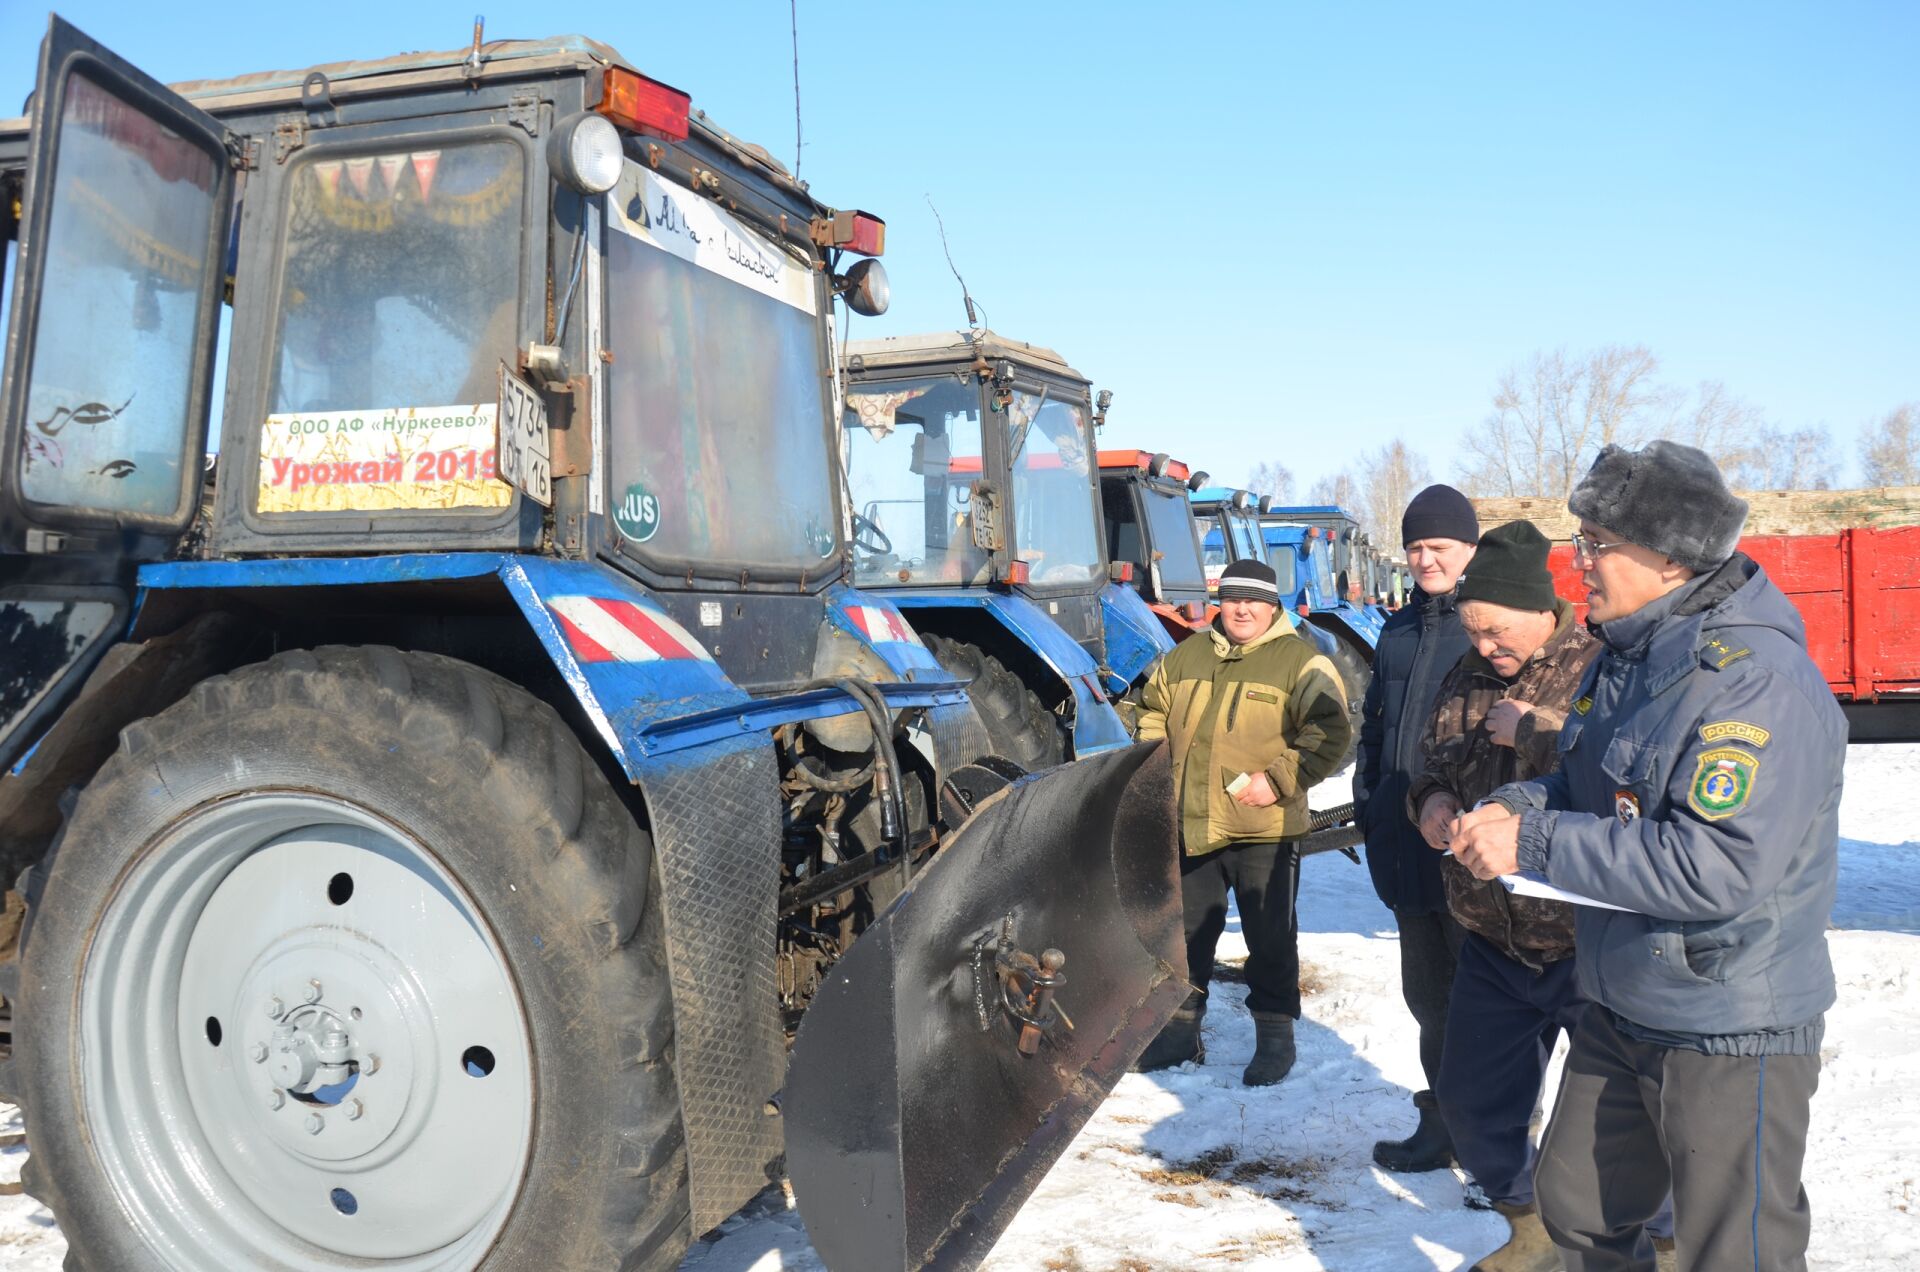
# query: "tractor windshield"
716,398
399,301
1170,531
913,456
1056,523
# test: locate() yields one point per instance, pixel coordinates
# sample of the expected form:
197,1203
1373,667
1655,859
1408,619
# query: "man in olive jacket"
1254,716
1698,790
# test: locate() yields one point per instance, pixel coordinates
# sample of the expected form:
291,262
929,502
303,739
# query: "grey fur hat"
1668,497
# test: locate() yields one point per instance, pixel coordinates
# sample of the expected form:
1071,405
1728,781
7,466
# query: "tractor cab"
1152,536
452,784
1229,522
975,496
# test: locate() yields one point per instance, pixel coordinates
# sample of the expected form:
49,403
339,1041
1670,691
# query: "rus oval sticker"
637,515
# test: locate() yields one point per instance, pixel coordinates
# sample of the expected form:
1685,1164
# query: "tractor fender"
1135,636
1096,726
698,748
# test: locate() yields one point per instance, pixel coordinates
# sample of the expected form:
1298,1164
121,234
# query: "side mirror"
865,287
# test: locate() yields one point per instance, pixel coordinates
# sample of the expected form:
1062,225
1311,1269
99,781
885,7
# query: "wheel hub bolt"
277,1098
312,994
258,1051
275,1009
315,1123
370,1066
354,1109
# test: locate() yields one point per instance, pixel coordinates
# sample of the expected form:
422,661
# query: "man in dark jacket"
1416,647
1497,721
1699,790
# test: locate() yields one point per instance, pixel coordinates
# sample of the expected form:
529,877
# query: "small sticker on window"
637,515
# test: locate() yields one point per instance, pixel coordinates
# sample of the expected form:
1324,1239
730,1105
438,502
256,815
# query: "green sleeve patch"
1723,782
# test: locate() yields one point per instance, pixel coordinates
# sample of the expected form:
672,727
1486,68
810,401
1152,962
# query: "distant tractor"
464,824
1152,535
976,510
1317,597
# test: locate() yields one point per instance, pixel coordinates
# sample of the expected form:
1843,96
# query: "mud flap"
940,1071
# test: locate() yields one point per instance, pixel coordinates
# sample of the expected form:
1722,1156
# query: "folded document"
1529,884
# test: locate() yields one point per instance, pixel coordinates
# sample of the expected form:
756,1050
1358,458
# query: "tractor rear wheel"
1019,726
352,958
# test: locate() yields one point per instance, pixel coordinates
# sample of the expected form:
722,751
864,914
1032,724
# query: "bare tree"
1389,476
1887,455
1338,489
1776,459
1552,415
1272,478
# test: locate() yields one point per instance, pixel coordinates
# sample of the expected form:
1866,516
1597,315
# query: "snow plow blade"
952,1054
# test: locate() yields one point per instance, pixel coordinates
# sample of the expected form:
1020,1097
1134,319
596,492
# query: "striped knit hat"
1250,580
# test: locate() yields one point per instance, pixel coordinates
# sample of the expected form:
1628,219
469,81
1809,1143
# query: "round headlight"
865,287
584,152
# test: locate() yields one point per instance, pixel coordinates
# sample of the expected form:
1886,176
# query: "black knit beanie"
1439,512
1250,580
1509,569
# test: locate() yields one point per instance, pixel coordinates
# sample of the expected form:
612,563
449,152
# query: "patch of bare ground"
1313,978
1254,1246
1186,1199
1218,1171
1188,1174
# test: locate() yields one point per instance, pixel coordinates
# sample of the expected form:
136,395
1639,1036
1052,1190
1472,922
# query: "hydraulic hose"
883,768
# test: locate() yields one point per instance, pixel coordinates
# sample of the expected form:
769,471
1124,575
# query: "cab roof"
890,352
269,90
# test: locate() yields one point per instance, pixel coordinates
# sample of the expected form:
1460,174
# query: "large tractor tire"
1019,726
352,958
1356,673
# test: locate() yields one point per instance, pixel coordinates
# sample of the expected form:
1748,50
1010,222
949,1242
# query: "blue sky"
1290,231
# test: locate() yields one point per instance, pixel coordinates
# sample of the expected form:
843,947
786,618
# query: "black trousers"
1728,1133
1429,949
1501,1025
1265,882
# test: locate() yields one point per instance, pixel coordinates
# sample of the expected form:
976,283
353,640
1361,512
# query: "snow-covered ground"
1189,1169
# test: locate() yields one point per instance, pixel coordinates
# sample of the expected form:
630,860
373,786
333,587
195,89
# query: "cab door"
126,194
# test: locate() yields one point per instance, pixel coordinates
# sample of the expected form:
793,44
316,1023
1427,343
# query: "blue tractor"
461,825
1230,531
1317,597
976,509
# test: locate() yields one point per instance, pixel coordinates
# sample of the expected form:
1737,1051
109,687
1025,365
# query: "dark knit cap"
1668,497
1510,569
1250,580
1439,512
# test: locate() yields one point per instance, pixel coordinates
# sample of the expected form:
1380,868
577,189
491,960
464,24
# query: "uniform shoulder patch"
1583,705
1739,730
1723,780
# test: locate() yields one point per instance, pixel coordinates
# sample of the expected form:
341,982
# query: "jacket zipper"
1233,708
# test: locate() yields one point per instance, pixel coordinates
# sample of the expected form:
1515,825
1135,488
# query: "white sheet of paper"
1528,884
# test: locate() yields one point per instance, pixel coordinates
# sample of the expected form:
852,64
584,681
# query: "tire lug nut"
258,1052
315,1123
275,1009
370,1066
277,1099
312,994
354,1109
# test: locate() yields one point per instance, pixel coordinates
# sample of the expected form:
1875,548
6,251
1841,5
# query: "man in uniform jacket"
1699,790
1254,716
1498,720
1419,643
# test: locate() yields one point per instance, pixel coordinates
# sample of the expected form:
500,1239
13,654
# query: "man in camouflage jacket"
1498,720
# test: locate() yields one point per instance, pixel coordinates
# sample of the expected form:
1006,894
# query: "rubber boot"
1178,1042
1430,1147
1272,1049
1528,1248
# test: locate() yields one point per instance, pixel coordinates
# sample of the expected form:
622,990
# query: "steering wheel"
870,538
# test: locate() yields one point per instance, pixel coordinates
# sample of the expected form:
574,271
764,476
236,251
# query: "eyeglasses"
1587,549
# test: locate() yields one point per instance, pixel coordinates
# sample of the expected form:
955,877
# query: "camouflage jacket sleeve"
1537,739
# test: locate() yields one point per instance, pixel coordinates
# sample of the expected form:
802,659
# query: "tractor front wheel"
352,959
1019,726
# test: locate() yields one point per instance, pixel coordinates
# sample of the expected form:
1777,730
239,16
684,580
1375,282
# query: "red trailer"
1859,592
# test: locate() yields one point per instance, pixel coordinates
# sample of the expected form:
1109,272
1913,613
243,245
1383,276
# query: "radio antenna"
973,320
